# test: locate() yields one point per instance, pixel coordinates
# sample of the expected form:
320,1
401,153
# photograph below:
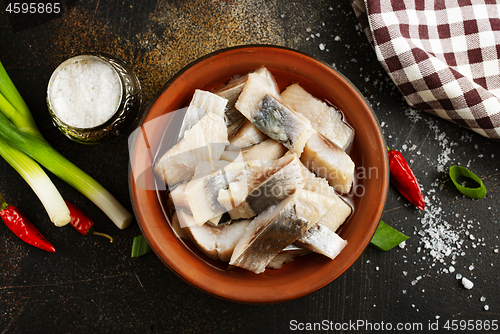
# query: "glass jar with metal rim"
94,98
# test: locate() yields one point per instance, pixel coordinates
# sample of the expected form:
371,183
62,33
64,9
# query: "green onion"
458,171
38,180
386,237
18,129
140,246
18,112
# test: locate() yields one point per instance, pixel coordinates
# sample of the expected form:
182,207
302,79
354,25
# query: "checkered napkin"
444,55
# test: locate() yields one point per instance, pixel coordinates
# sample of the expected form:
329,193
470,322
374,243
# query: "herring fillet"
276,228
247,136
262,186
327,120
231,92
338,213
202,192
268,149
281,124
205,141
288,254
259,102
217,242
320,239
330,162
202,103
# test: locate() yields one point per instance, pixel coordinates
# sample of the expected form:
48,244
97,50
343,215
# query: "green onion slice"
458,171
140,246
386,238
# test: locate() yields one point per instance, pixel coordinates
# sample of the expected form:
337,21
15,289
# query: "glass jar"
93,98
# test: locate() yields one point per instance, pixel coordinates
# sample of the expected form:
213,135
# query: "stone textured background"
91,286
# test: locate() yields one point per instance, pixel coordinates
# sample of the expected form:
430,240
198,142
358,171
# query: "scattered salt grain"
486,307
402,244
322,46
458,276
482,299
467,283
451,269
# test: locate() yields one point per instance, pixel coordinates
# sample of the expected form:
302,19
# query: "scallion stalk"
39,181
18,112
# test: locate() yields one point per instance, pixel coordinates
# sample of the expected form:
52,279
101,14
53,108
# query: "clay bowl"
306,274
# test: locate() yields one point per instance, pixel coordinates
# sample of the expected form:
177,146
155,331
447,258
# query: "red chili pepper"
82,223
404,180
22,227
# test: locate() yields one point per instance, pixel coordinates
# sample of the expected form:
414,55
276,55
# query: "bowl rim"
225,294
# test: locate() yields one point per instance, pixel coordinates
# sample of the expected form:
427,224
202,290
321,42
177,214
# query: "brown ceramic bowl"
306,274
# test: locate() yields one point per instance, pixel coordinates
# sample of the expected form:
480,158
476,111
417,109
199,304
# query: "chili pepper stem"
3,204
94,232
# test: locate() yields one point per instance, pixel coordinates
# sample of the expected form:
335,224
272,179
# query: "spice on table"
404,180
82,223
22,227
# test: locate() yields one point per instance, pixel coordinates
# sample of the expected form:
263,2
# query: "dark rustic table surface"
92,286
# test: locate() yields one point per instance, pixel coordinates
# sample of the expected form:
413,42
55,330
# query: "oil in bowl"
93,98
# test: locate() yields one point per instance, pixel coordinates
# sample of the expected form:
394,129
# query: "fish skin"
256,87
287,255
179,199
268,149
217,242
326,119
201,104
339,212
281,124
266,186
247,136
264,247
276,228
330,162
234,119
205,141
320,239
202,192
231,91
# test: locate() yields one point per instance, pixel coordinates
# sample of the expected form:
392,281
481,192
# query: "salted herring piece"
204,141
330,162
201,104
320,239
247,136
202,192
231,91
276,228
217,242
262,186
326,119
338,213
268,149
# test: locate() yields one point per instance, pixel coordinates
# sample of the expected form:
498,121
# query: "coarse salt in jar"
93,98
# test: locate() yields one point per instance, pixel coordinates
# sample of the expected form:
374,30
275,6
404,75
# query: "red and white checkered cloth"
444,55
